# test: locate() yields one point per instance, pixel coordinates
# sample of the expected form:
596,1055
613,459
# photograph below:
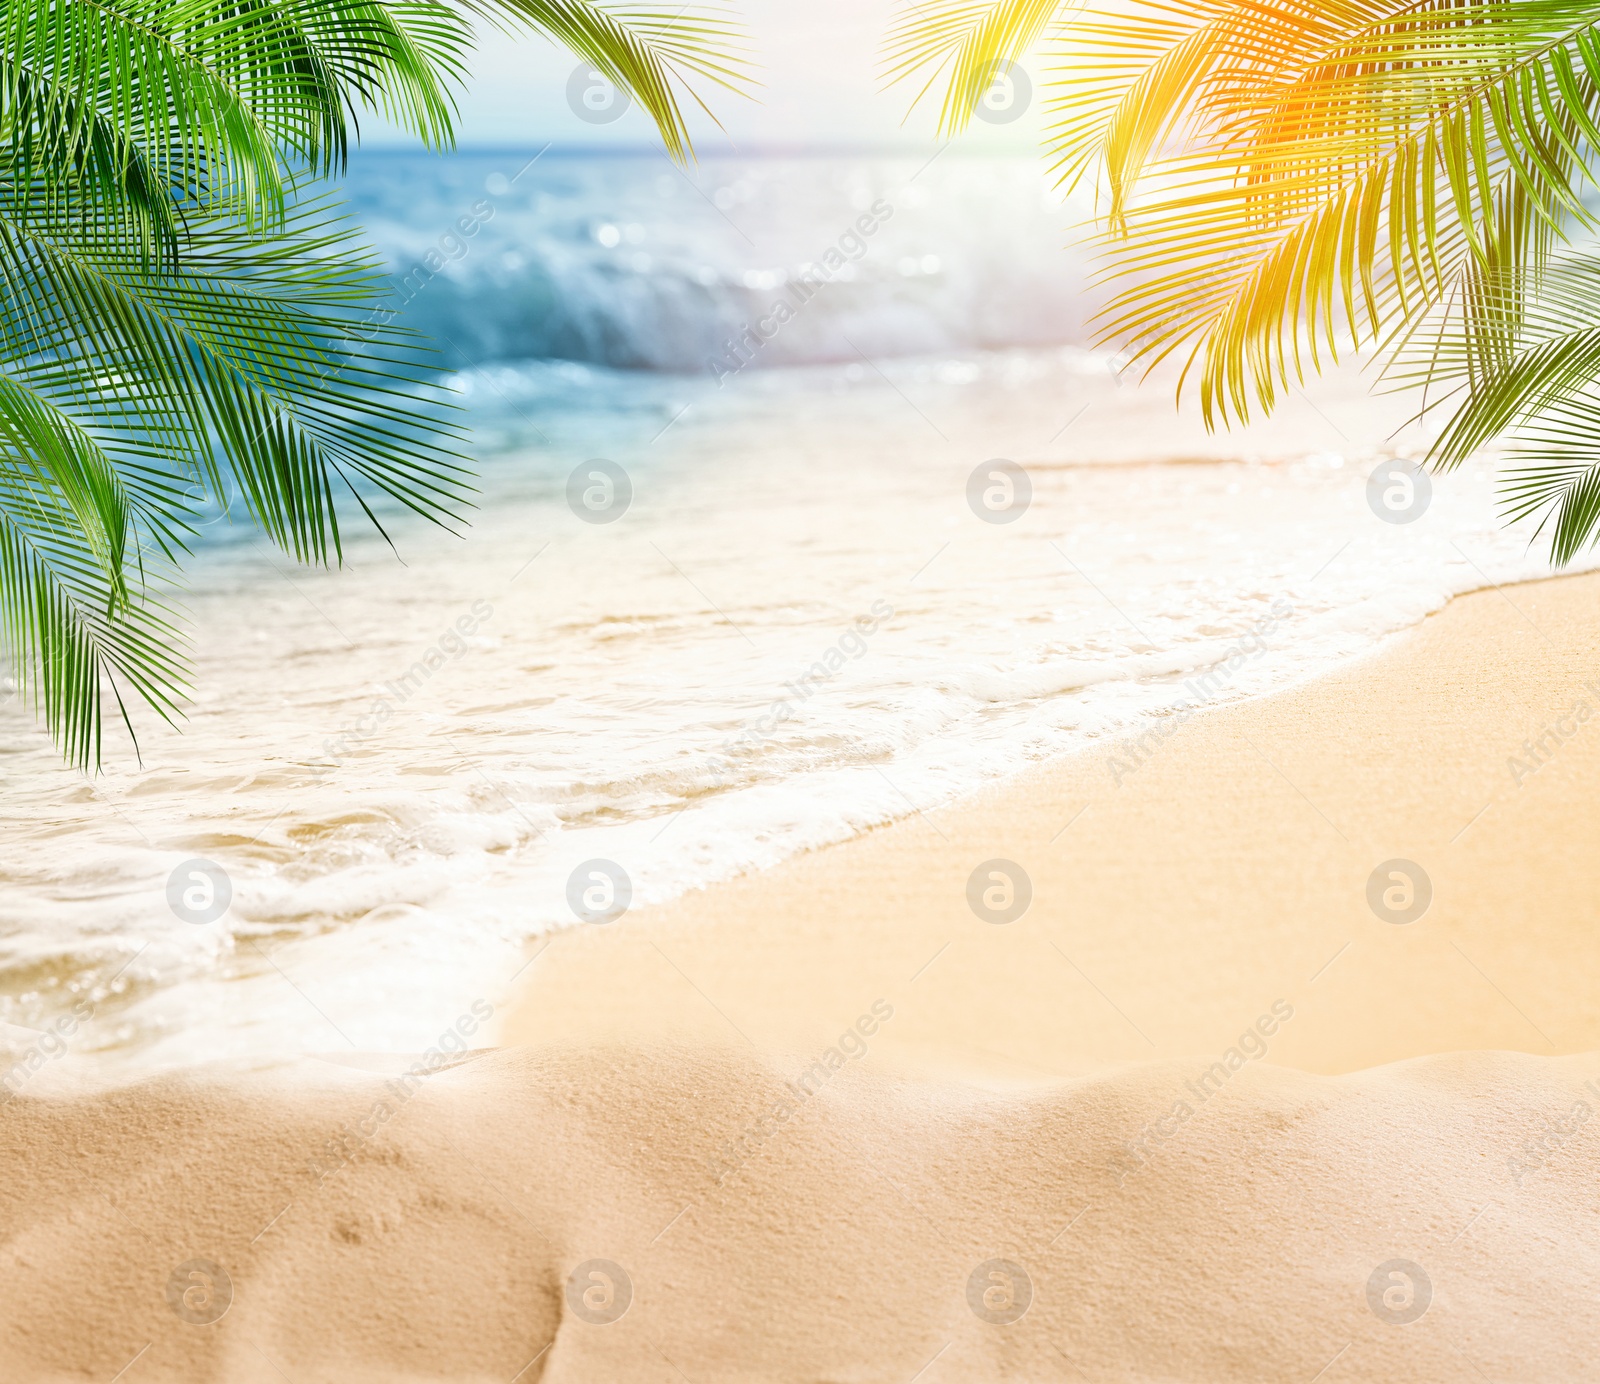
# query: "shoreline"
1195,1112
1258,827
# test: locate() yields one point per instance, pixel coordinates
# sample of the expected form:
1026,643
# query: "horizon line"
775,149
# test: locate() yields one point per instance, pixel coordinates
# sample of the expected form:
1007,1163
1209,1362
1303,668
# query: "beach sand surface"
552,1214
1199,1113
1179,890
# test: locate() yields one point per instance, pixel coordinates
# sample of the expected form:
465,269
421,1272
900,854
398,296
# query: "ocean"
805,503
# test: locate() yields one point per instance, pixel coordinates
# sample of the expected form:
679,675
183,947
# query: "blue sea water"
632,262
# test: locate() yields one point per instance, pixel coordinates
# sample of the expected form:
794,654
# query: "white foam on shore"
704,687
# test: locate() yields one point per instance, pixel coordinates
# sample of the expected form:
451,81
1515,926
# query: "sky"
820,86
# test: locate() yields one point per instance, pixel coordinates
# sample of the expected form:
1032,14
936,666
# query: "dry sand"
840,1250
824,1124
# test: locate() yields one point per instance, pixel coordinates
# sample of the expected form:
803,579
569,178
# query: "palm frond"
1287,180
57,469
183,321
973,39
647,53
71,643
1345,204
218,96
1542,395
267,366
1563,482
270,363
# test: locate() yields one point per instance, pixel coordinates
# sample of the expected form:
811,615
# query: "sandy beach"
862,693
1184,884
552,1215
1202,1111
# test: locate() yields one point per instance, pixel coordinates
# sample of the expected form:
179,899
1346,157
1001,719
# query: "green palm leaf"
55,468
1564,485
266,367
647,53
185,320
1543,394
72,640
